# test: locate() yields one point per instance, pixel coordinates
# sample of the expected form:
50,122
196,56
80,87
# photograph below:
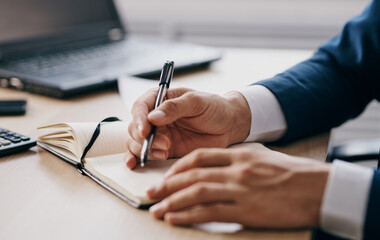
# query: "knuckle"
188,216
244,174
190,177
246,153
164,188
197,157
199,153
171,105
170,204
134,147
135,107
192,96
128,142
131,128
151,92
199,190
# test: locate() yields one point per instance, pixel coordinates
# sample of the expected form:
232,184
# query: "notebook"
104,162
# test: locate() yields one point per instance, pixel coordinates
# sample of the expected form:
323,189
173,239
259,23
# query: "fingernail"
157,115
126,160
159,155
168,174
171,218
161,144
151,191
129,165
159,209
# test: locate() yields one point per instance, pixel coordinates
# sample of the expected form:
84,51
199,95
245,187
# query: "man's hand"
187,120
256,188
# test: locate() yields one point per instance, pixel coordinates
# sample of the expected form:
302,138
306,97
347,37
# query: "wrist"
315,176
240,118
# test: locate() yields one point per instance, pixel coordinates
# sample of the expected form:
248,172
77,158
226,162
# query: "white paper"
130,88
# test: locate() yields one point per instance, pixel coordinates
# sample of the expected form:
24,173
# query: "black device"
63,48
11,142
365,150
15,107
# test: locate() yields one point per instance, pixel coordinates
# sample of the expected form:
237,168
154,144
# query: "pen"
165,79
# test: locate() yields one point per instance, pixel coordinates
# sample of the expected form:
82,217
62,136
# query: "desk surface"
43,197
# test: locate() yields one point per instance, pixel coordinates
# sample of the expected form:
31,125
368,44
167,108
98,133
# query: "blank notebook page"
132,183
112,138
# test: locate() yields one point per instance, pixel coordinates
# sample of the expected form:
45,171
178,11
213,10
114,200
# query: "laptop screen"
22,20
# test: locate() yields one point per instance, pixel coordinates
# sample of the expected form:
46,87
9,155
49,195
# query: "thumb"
188,105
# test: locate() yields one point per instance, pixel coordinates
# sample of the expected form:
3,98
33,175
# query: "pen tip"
142,164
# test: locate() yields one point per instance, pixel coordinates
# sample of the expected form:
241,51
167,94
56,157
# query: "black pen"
165,79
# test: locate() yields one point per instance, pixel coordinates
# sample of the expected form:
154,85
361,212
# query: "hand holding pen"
185,121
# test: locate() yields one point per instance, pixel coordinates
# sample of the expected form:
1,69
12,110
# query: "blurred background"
289,24
298,24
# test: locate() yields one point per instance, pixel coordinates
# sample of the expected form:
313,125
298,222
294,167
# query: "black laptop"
63,48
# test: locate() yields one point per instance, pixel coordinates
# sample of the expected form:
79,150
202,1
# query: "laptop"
62,48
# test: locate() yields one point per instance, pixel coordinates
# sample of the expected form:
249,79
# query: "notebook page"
76,136
61,136
60,152
132,184
112,138
82,132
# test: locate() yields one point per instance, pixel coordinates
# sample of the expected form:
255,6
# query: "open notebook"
104,161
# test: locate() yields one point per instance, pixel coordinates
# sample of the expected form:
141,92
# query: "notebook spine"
80,168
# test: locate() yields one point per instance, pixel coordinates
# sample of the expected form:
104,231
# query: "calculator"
11,142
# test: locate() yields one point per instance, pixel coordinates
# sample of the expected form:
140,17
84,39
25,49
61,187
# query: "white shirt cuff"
268,121
345,200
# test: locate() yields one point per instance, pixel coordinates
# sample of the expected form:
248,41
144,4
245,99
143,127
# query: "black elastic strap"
93,139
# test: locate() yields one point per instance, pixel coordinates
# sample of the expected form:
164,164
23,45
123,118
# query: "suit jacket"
333,86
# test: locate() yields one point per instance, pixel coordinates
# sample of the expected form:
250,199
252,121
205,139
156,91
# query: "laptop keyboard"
83,59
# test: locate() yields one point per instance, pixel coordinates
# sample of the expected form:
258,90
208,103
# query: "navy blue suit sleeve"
371,224
336,83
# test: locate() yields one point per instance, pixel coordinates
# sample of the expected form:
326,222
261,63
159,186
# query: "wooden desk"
42,197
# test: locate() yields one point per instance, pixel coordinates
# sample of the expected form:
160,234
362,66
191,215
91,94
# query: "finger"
155,154
145,103
189,104
200,158
135,132
140,109
161,141
185,179
130,160
200,193
219,212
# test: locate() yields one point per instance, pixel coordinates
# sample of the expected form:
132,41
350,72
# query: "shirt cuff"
345,200
267,120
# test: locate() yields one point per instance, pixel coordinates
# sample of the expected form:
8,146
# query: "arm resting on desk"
336,83
333,86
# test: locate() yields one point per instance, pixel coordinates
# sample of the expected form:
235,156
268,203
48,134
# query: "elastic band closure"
93,139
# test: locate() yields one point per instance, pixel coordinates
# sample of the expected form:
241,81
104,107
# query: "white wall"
244,23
